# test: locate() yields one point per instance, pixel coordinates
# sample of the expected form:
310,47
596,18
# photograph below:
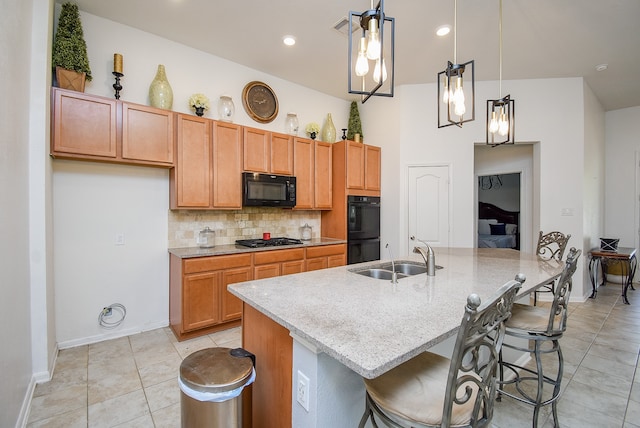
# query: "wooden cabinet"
199,302
313,170
267,152
208,165
88,127
268,264
372,159
326,256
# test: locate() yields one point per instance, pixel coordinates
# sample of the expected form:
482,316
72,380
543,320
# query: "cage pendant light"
456,92
371,66
501,113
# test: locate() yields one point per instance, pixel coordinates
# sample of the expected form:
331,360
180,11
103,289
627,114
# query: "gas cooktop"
257,243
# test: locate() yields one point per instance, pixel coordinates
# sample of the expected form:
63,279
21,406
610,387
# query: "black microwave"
268,190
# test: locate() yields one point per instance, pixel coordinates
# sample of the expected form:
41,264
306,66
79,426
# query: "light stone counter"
218,250
370,325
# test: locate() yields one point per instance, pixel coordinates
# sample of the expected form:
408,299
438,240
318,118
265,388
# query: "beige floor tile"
594,398
73,419
62,401
635,391
160,372
148,339
72,358
231,338
608,366
153,355
577,415
163,394
627,358
118,410
168,417
109,349
144,421
110,386
633,412
63,379
603,381
190,346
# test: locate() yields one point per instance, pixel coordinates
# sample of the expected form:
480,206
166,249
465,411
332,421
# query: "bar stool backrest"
552,245
559,307
475,356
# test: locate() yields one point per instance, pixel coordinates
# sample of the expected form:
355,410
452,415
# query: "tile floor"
131,381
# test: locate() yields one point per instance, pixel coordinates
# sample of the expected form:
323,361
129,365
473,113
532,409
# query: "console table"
625,257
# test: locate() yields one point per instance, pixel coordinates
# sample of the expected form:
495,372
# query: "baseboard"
111,335
23,417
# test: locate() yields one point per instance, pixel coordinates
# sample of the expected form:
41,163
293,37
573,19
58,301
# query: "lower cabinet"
199,302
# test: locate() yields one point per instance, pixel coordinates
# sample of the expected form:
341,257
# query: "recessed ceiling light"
289,40
443,30
602,67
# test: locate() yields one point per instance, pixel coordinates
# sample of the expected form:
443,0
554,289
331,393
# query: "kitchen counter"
370,325
218,250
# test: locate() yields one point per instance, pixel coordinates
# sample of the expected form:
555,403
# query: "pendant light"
501,113
455,96
375,78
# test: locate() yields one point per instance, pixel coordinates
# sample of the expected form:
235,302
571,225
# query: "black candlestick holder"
344,133
117,86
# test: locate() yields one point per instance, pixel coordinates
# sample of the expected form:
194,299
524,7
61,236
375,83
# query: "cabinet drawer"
265,257
204,264
326,250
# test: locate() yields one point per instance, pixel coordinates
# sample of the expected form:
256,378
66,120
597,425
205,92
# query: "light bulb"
377,70
458,98
362,63
373,43
503,123
493,123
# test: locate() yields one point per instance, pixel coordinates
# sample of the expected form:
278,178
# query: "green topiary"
355,127
69,47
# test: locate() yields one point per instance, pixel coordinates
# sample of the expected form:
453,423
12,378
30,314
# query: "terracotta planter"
70,79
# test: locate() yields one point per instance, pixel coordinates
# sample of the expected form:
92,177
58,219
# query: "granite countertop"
371,325
218,250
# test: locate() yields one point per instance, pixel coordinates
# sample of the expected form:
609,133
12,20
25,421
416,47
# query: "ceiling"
541,38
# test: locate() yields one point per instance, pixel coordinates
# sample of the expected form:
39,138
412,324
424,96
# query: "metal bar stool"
550,246
542,329
433,391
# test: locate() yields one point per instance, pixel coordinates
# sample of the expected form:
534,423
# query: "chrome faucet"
429,257
394,275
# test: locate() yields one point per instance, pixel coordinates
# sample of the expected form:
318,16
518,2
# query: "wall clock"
260,102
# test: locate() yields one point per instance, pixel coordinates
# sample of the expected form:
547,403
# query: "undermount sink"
403,268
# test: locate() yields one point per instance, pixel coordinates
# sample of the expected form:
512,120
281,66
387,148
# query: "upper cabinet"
101,129
357,165
313,168
267,152
208,172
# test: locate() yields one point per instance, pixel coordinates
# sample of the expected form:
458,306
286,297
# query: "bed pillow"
483,226
498,229
510,229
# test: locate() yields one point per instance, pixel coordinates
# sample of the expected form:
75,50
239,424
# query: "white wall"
93,202
621,192
558,126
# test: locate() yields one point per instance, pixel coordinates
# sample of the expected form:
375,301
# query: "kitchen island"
336,326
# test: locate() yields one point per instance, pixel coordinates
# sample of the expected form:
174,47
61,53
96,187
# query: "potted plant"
70,50
355,127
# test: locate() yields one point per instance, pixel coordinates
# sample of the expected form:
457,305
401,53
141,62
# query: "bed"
497,228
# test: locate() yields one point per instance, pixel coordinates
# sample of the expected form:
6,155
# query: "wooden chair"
541,328
433,391
550,246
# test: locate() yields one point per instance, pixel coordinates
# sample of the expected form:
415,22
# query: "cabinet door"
303,167
83,125
316,263
201,302
281,154
147,134
323,187
231,305
336,260
191,177
266,271
227,165
372,167
292,267
355,165
257,150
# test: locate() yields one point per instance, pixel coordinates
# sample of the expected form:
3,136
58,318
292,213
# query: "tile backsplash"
184,225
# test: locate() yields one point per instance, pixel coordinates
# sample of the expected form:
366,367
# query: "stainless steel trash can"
211,381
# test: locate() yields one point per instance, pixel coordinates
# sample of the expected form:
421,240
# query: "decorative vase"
199,111
160,92
226,108
291,124
329,130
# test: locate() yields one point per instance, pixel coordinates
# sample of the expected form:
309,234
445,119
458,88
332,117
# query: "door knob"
413,238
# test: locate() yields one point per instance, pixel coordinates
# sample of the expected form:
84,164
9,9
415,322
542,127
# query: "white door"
428,205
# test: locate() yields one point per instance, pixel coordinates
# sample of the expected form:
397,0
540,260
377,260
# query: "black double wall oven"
363,229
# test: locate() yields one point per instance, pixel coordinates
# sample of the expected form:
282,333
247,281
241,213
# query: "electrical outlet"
302,390
107,312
